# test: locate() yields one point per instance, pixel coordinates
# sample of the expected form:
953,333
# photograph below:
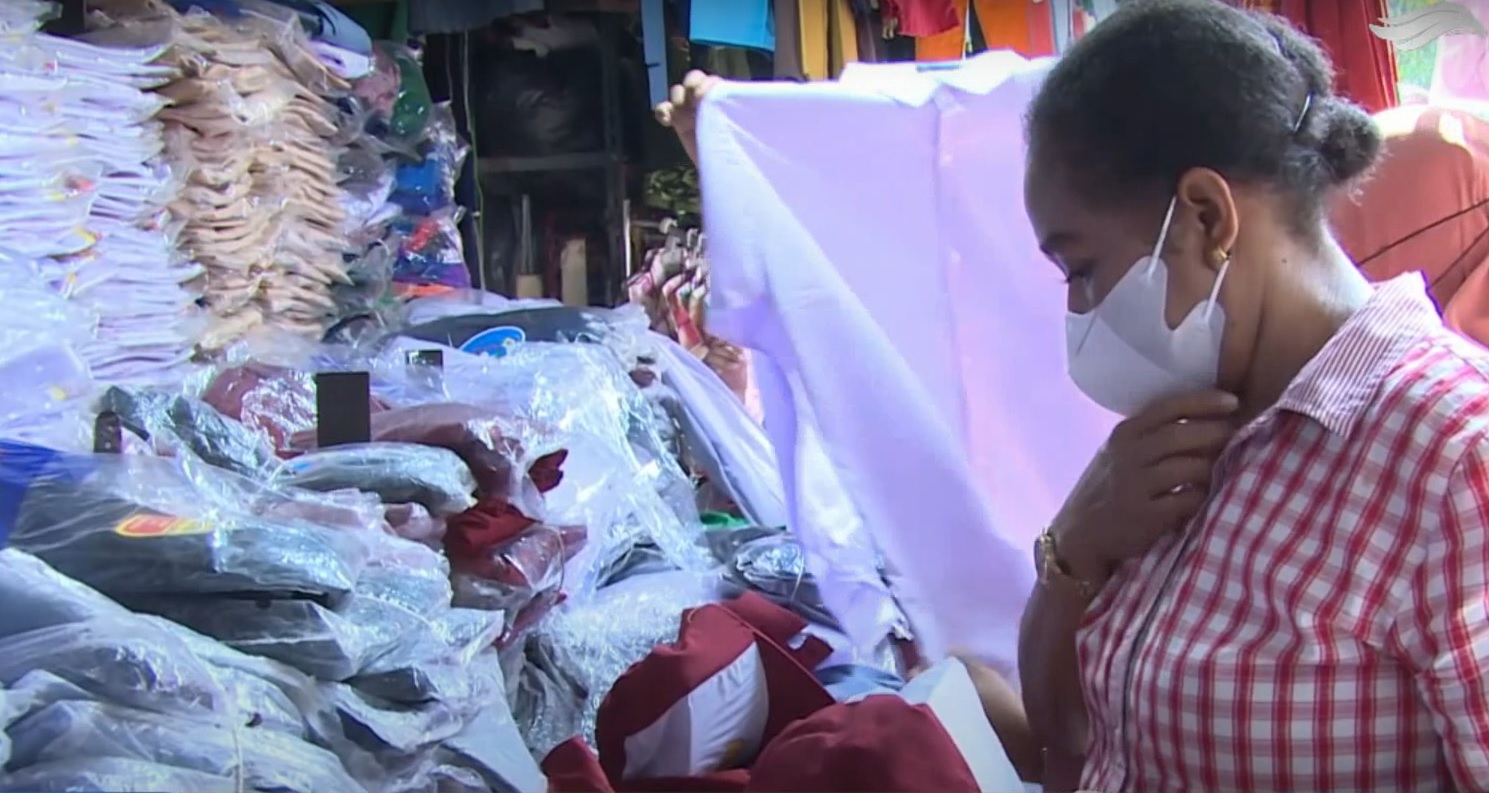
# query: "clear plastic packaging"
430,250
398,473
136,526
176,424
576,656
619,481
65,731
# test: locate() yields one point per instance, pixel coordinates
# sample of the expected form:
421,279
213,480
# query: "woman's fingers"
1178,474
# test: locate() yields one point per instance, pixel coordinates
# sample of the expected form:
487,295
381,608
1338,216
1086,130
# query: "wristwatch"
1054,572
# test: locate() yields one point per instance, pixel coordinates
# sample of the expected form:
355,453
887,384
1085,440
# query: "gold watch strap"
1054,572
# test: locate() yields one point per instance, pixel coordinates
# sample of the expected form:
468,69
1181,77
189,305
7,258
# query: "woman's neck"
1319,297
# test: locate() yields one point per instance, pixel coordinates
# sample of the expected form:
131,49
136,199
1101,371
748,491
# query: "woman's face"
1094,244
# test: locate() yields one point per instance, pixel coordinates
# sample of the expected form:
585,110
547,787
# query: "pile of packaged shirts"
85,192
251,129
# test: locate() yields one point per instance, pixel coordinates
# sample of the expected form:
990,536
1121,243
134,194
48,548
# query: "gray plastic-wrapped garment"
128,525
34,596
475,740
114,775
265,760
175,423
127,661
388,606
399,473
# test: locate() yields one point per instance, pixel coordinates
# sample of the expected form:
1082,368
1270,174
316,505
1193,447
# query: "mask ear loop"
1219,279
1090,321
1168,219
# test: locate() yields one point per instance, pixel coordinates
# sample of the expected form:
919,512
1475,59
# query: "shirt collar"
1337,386
917,83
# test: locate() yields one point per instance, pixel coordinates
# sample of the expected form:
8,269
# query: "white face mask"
1123,354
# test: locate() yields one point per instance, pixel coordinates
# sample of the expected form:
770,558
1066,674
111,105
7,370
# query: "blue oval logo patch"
494,342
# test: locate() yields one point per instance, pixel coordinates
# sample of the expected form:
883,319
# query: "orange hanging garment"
1024,26
829,38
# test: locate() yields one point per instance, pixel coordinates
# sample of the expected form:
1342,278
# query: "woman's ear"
1208,196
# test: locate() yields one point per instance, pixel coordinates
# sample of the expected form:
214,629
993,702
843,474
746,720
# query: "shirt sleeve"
1447,622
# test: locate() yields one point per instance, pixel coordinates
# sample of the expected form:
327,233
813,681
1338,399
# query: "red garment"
491,522
1365,64
502,560
809,743
1320,626
921,17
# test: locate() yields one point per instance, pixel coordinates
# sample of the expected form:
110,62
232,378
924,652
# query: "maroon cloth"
881,743
491,522
502,560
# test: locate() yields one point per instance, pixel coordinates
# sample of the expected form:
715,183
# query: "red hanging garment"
1365,65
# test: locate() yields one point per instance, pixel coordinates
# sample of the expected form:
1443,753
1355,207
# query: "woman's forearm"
1051,684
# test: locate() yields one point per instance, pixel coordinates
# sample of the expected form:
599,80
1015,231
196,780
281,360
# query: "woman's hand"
680,111
1149,479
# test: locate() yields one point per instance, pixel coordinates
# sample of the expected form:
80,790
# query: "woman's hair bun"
1348,139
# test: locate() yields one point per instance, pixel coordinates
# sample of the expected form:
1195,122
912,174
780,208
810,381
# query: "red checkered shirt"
1323,624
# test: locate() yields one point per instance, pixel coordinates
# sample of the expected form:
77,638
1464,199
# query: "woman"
1273,577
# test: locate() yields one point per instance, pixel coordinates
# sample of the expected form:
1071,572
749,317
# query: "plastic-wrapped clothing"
770,563
134,526
732,448
115,775
434,667
34,596
270,761
491,745
474,433
173,422
965,363
174,679
741,686
413,522
390,730
388,607
129,662
505,561
38,599
575,656
271,400
398,473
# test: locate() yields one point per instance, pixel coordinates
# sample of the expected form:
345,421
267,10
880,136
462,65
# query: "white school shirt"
868,238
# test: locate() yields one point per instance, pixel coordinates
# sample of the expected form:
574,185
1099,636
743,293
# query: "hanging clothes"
1426,208
733,23
1024,26
787,15
829,37
911,349
917,18
1364,64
